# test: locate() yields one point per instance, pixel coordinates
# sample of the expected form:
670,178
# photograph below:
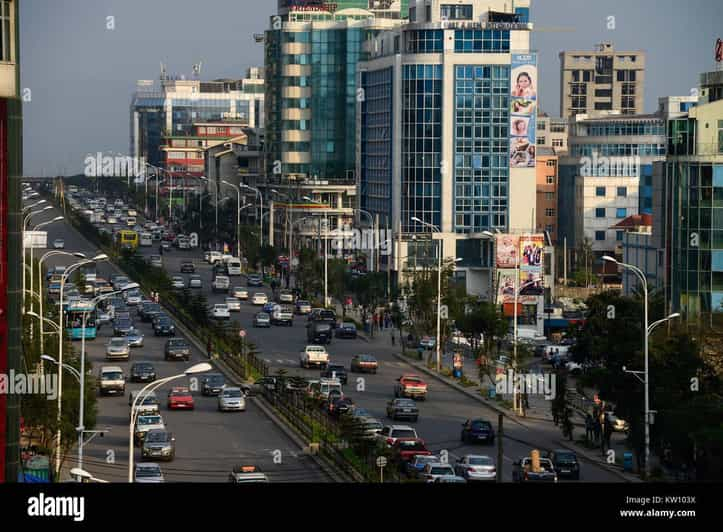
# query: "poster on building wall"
507,250
529,287
532,250
523,110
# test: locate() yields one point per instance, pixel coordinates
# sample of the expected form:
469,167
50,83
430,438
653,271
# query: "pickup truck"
282,315
522,471
315,355
411,386
221,284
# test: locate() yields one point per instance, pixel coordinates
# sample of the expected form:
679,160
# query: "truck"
282,315
314,355
522,471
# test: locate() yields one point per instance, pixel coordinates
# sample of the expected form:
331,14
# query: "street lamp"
238,215
32,277
25,223
326,250
82,474
149,388
70,369
64,277
646,334
261,213
289,221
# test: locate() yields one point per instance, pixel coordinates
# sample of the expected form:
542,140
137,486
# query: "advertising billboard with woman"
523,110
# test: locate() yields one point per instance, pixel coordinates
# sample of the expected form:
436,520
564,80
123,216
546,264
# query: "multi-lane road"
210,443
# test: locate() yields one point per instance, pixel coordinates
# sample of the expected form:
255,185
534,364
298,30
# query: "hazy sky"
81,74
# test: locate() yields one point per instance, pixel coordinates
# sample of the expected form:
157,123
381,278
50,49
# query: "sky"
79,67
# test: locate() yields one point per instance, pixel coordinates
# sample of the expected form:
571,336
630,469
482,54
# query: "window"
603,93
619,236
600,191
622,192
599,235
550,163
550,179
550,212
429,13
558,143
5,44
413,14
621,213
603,106
549,196
541,125
600,212
455,12
720,136
540,140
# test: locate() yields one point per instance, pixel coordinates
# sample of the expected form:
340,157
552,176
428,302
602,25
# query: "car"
260,386
122,326
212,384
159,444
319,332
233,304
188,267
259,298
314,355
414,466
262,319
367,428
402,409
323,315
340,406
450,479
239,292
427,342
282,315
149,473
411,386
212,257
477,430
618,425
303,307
117,349
177,349
476,467
144,423
364,364
178,283
220,311
231,399
335,371
166,245
133,297
119,281
194,281
143,372
112,220
111,381
254,279
148,310
58,243
220,283
405,449
247,475
391,433
432,472
164,326
346,330
179,397
286,296
147,405
523,471
565,463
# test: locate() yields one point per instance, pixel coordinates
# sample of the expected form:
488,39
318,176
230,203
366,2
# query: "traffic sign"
382,461
242,333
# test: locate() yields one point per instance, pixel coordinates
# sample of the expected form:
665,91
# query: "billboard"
507,250
532,249
523,110
520,263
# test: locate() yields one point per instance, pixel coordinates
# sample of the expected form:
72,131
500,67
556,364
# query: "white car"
260,298
112,220
178,283
432,472
233,304
391,433
220,312
314,355
213,257
59,243
240,292
231,398
619,425
476,467
286,296
147,472
195,281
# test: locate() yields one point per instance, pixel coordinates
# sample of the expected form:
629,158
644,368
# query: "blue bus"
74,321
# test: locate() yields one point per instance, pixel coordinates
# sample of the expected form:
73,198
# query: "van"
146,239
112,380
319,332
233,267
131,221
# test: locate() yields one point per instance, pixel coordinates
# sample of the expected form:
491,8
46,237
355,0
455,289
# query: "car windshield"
120,342
303,303
427,459
411,445
195,277
481,425
150,400
153,308
215,379
124,322
142,367
148,471
232,393
133,293
262,316
367,358
333,367
480,460
413,380
158,437
566,457
164,321
149,420
373,425
441,470
404,433
180,393
113,375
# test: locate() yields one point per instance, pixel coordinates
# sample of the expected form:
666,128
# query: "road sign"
242,333
294,262
381,461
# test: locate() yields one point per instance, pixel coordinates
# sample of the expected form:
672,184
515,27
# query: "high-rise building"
603,79
546,206
160,116
447,133
11,169
552,133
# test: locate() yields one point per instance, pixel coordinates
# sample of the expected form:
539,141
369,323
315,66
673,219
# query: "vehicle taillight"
472,469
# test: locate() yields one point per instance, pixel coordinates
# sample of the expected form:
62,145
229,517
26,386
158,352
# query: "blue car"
269,307
478,430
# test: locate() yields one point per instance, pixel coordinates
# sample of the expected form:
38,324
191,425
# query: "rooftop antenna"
197,69
164,75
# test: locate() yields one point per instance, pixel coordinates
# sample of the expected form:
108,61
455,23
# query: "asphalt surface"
208,443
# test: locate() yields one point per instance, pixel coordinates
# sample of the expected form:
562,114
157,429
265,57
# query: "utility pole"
500,453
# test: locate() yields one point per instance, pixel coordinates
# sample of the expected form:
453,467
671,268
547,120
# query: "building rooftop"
636,220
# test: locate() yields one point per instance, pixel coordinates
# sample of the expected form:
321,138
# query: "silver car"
159,444
231,399
178,283
149,472
195,281
117,348
135,338
476,467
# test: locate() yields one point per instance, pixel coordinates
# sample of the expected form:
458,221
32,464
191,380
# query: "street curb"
505,413
627,477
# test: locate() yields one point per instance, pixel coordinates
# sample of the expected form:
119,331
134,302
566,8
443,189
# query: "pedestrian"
588,428
393,338
596,429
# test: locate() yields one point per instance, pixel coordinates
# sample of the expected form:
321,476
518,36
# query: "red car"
411,386
404,449
180,398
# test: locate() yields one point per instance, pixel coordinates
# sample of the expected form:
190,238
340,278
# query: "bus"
128,239
74,320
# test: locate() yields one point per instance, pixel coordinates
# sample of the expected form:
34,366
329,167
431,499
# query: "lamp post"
374,228
32,277
646,334
25,223
326,250
289,221
261,213
238,215
149,388
84,475
65,276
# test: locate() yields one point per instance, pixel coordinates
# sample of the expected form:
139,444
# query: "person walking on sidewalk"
596,429
393,338
588,428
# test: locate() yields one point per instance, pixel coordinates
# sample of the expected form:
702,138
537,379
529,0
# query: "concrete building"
447,133
552,133
602,79
160,115
546,206
607,176
11,171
